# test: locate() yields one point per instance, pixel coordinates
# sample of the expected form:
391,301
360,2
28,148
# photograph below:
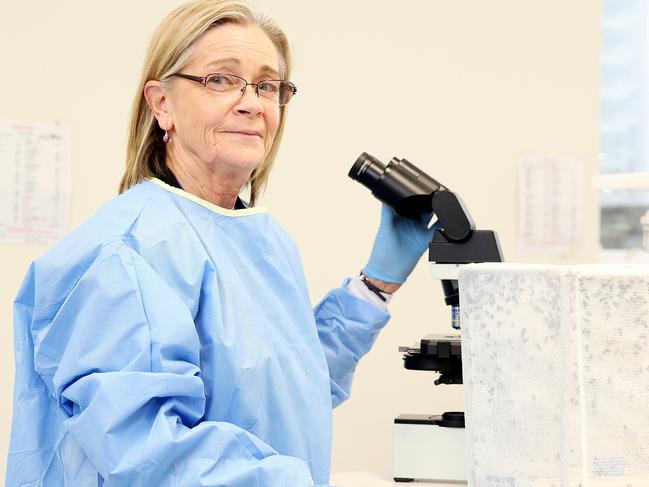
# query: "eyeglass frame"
203,80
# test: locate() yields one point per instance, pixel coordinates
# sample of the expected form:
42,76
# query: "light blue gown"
168,342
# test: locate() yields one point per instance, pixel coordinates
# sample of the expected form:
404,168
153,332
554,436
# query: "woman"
169,341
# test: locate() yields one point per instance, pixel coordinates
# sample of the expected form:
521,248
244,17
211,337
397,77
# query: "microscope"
431,447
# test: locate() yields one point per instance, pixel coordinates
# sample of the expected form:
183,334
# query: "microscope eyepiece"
400,184
367,170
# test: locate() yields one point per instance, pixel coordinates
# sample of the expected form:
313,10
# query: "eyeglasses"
273,90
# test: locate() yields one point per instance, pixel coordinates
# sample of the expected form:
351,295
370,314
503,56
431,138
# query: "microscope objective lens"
455,317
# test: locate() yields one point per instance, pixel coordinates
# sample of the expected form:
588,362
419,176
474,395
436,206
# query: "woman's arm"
121,357
347,327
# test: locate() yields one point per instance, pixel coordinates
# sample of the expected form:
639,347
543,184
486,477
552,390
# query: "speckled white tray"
556,374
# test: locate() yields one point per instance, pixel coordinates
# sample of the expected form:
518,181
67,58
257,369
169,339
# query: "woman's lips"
246,133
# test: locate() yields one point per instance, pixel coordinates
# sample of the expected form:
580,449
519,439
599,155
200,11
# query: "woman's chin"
242,164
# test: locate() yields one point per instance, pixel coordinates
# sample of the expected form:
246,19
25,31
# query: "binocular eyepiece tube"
400,184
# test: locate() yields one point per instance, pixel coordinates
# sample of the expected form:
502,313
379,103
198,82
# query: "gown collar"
240,208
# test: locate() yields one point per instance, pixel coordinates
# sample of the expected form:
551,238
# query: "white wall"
461,88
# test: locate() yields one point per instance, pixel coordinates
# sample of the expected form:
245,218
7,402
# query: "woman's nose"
249,102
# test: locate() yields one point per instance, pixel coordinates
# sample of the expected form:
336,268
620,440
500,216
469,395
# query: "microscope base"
424,450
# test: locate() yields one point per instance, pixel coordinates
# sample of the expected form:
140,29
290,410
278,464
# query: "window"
624,125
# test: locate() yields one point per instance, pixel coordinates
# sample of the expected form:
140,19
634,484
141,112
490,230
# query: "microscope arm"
453,216
458,242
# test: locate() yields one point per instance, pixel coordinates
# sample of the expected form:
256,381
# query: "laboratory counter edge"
373,479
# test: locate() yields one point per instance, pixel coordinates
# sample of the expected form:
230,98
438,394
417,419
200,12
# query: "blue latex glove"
398,246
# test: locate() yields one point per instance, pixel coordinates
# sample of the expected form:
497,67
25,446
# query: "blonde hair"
169,50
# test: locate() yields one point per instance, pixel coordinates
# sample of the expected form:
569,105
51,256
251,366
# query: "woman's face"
225,131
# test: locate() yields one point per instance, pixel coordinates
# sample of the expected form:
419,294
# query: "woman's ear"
156,98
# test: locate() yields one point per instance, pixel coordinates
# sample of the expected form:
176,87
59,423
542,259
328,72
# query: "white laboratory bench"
371,479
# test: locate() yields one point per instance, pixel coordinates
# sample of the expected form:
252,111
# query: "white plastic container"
556,375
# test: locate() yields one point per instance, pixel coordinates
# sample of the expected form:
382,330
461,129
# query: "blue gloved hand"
398,246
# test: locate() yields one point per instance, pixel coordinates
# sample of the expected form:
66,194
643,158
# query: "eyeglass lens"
274,90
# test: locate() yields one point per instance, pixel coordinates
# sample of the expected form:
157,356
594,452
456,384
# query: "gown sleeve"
347,327
121,357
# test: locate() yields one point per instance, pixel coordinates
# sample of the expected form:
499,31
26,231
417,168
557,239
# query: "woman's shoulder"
141,222
112,222
108,228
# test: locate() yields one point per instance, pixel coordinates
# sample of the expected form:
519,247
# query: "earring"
166,137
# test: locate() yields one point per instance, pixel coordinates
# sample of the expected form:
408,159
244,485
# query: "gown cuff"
358,288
